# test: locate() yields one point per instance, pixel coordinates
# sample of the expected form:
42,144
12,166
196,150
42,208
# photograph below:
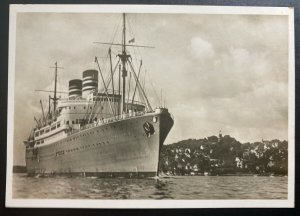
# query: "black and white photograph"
126,106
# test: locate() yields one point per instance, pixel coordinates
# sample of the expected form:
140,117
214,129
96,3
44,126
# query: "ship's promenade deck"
115,119
70,130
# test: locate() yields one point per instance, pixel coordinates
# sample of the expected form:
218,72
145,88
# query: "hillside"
224,155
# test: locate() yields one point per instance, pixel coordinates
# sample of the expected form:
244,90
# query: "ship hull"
125,148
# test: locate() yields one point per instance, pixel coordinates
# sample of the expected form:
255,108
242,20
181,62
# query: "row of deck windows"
77,121
41,132
40,142
74,107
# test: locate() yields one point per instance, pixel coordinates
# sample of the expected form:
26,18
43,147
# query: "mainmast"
123,58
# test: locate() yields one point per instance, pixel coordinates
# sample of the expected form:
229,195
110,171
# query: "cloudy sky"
216,72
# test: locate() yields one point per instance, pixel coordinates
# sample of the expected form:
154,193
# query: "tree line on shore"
224,155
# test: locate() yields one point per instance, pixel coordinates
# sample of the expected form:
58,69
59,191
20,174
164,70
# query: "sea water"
171,187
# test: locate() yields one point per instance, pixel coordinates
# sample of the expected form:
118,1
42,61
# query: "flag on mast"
131,40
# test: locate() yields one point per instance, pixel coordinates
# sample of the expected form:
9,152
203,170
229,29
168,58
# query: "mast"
44,119
49,106
124,35
55,87
123,58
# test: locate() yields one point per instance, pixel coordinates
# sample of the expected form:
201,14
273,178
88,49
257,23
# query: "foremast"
55,87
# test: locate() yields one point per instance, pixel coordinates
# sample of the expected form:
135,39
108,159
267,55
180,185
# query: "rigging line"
90,115
129,82
94,105
105,59
37,121
87,110
131,36
144,78
31,131
44,119
119,89
108,80
114,70
112,76
105,87
145,91
113,38
114,53
59,84
140,78
140,95
97,104
136,85
105,62
130,29
139,85
100,107
136,60
116,30
139,91
155,93
108,74
49,113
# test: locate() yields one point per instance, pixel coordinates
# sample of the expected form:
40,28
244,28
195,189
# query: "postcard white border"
77,203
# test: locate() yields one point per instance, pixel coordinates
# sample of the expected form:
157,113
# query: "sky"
215,72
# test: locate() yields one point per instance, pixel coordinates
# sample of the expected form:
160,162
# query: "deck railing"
108,120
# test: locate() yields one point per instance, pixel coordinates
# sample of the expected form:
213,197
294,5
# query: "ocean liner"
98,130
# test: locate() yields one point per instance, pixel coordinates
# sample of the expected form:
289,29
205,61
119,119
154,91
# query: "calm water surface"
175,187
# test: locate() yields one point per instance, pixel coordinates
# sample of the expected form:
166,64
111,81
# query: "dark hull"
118,149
